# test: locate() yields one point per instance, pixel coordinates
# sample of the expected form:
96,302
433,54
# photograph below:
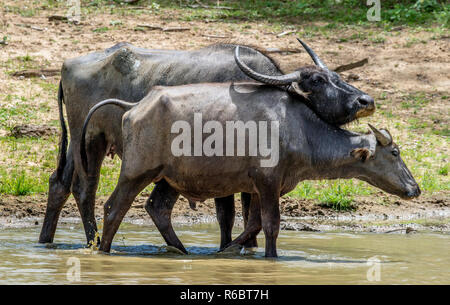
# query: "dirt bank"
425,213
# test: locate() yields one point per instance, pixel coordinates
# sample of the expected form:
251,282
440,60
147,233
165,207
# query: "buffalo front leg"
58,193
270,218
245,200
159,206
225,213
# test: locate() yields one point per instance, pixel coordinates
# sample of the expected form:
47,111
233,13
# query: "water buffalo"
129,73
307,148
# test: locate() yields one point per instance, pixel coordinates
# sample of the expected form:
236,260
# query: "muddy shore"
429,213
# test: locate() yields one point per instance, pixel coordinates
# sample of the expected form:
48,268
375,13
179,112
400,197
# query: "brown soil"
27,130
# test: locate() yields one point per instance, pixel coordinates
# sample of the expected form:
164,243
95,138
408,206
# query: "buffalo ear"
383,136
361,153
294,87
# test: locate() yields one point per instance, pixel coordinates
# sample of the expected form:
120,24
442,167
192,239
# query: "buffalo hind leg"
118,205
84,194
84,187
58,193
225,213
253,226
159,206
245,200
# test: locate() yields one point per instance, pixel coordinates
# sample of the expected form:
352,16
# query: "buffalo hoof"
248,251
171,249
232,249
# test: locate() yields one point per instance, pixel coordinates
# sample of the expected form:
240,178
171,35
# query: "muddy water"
139,256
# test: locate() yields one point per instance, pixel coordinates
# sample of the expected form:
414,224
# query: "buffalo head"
383,167
331,98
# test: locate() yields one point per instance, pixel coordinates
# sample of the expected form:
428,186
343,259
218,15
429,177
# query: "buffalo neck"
323,151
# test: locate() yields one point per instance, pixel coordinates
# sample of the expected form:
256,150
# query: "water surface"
140,257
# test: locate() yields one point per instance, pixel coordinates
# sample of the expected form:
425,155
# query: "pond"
140,257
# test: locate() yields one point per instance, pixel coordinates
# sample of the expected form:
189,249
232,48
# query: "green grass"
416,100
34,162
101,30
27,11
345,11
19,183
431,182
407,12
339,194
16,110
443,170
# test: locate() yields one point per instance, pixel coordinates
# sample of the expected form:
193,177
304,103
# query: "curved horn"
313,55
382,136
271,80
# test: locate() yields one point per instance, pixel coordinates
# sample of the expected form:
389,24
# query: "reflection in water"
139,256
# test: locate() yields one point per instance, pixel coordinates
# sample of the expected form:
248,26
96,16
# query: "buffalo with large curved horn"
319,87
286,79
280,80
313,55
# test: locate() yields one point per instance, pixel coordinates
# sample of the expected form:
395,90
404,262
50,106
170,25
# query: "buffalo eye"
395,153
318,80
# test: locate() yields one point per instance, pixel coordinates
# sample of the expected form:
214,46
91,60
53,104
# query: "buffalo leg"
270,218
159,206
118,205
245,200
84,194
84,187
225,213
58,193
253,225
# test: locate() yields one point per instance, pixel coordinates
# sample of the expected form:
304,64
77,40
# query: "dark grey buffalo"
307,146
129,73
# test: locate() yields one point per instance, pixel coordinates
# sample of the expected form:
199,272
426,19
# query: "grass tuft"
18,184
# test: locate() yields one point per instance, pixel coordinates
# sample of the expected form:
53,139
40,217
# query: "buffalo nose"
366,101
414,193
417,193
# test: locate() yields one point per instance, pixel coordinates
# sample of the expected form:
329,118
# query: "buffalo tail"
122,104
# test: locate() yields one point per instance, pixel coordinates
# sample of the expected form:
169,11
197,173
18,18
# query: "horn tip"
301,41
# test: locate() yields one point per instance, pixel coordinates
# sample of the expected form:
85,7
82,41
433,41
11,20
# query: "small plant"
26,58
115,22
304,190
21,185
17,185
101,30
337,197
443,170
378,39
155,6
